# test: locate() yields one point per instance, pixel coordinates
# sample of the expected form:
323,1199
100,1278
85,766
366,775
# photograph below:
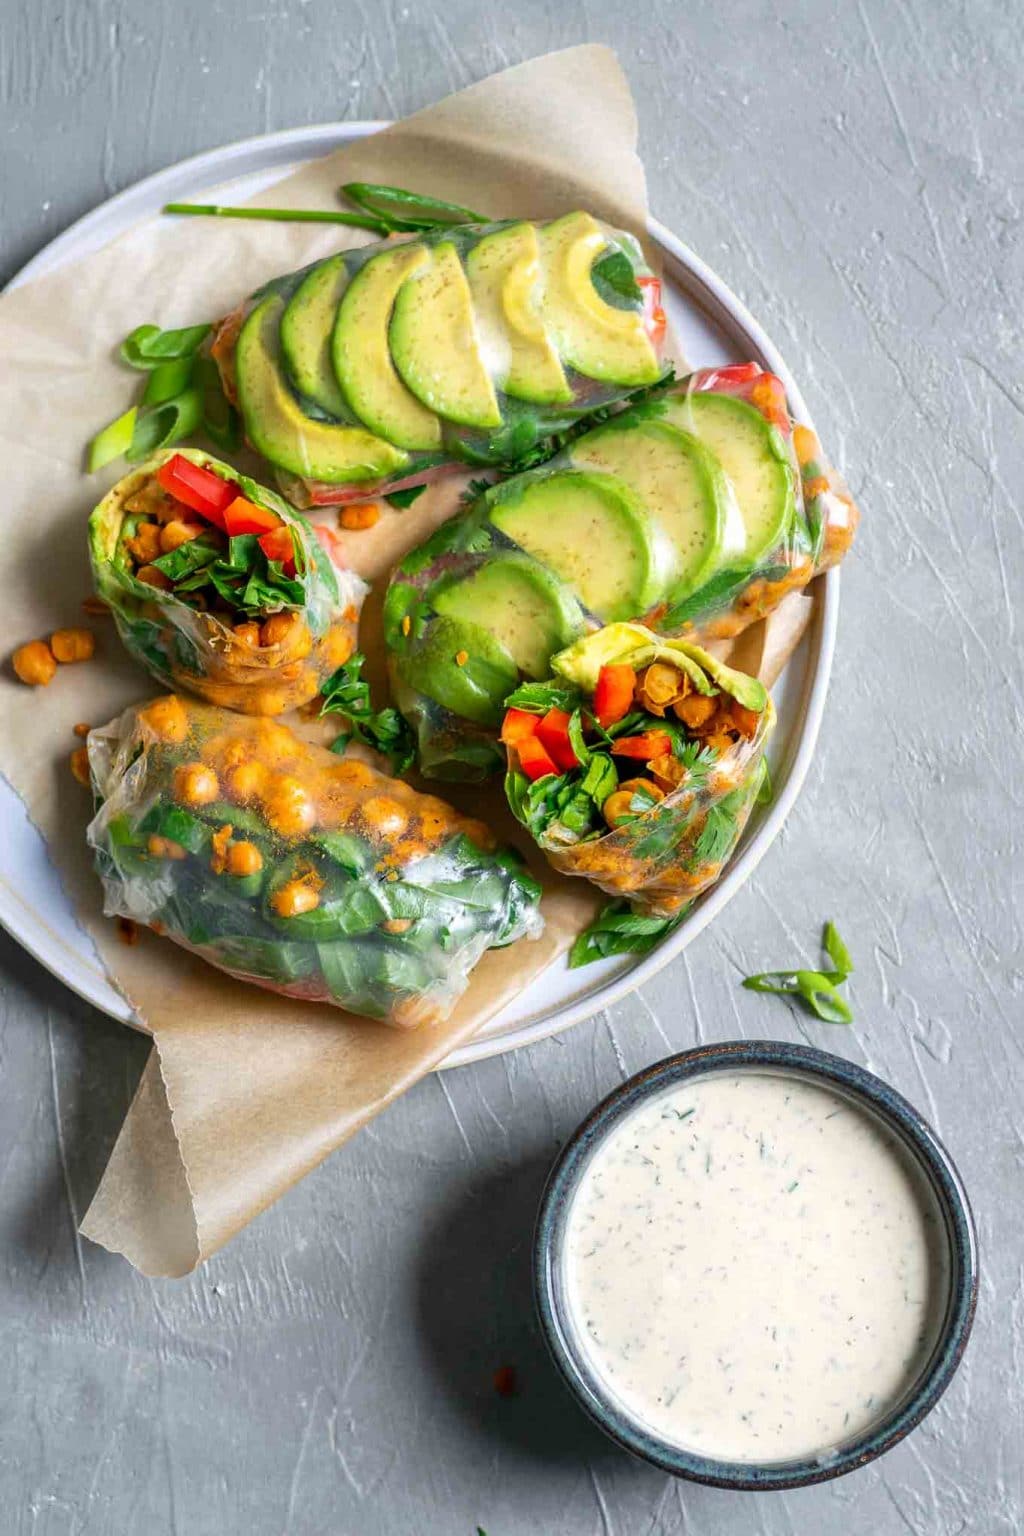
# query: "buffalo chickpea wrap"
309,874
636,765
218,586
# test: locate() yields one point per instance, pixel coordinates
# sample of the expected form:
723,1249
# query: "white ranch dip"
756,1269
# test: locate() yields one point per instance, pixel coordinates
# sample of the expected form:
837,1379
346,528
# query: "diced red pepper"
197,488
655,322
649,744
278,545
244,516
517,725
613,696
533,758
553,731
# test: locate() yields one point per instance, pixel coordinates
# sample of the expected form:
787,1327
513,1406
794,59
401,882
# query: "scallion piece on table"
165,424
280,215
817,989
112,442
167,380
148,346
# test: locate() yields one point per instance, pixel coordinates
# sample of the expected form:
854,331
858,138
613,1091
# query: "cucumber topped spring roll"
309,874
636,764
218,586
380,367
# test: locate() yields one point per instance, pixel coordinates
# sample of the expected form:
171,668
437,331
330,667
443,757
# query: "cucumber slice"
306,327
756,463
679,483
592,531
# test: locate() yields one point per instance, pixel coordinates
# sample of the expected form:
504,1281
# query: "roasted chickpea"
479,833
144,545
294,898
152,576
80,765
384,815
278,628
618,807
244,859
365,515
289,809
351,771
166,718
73,644
695,711
397,925
644,786
337,646
275,742
34,663
245,780
164,848
176,533
247,634
195,784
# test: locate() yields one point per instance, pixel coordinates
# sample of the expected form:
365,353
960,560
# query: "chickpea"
365,515
195,784
384,816
95,607
219,844
289,809
695,711
617,809
275,742
479,833
166,718
247,634
276,629
267,701
34,663
80,765
337,646
245,781
294,898
397,925
178,532
164,848
73,644
355,773
244,859
645,787
81,729
144,545
152,576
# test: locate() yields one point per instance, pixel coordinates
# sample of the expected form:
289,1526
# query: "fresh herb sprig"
817,990
618,931
347,693
381,210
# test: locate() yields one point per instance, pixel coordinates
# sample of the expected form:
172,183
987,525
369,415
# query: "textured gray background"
854,171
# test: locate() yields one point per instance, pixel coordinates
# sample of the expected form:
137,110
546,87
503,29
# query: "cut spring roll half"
388,365
312,875
218,586
635,765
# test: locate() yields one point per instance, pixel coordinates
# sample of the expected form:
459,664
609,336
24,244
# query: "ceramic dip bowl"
756,1266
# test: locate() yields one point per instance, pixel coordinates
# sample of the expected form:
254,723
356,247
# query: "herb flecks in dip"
756,1268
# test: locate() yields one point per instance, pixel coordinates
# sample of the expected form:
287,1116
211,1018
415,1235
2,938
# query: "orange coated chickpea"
80,765
244,859
144,545
245,781
73,644
152,576
384,815
164,848
294,898
276,629
195,784
247,634
365,515
337,646
354,773
178,532
289,809
166,718
34,663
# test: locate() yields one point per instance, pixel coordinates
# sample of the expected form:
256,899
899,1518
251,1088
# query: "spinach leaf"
618,931
347,693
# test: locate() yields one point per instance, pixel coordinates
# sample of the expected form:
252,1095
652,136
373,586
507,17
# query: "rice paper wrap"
712,500
668,851
305,873
211,653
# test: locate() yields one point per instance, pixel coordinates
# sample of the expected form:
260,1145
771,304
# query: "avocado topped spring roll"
287,866
380,367
696,511
218,586
636,764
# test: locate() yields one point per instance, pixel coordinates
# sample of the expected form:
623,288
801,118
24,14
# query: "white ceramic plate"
714,327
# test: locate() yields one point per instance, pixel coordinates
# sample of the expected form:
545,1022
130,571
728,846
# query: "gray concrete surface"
855,171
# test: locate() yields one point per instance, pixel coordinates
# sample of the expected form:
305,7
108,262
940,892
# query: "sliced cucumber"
679,483
306,327
753,455
592,531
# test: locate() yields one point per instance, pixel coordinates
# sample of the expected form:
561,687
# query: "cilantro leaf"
347,693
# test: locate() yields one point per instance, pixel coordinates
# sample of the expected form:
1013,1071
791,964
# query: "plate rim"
726,309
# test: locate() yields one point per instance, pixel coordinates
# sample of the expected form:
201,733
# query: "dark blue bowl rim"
939,1168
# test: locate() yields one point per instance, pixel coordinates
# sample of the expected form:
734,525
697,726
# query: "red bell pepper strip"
244,516
517,725
533,758
197,488
613,695
277,545
655,322
650,744
553,731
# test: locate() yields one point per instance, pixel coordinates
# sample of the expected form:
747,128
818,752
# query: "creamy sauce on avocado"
755,1266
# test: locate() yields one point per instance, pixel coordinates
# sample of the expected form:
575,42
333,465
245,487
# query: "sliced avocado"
636,646
362,359
276,425
504,280
526,608
306,327
753,455
592,336
474,688
593,532
680,484
435,344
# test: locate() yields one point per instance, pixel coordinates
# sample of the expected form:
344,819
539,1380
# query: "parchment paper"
246,1091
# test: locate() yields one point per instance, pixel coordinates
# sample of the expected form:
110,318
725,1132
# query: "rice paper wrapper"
245,1091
